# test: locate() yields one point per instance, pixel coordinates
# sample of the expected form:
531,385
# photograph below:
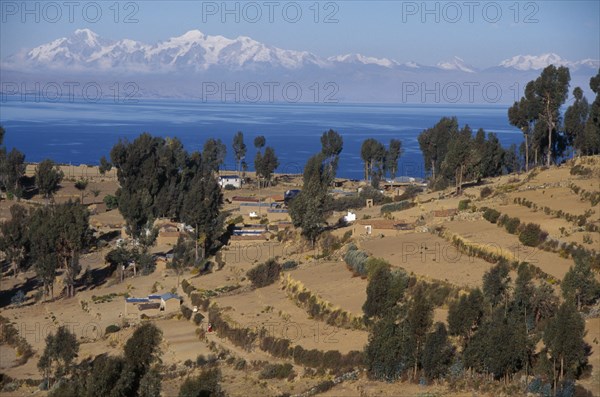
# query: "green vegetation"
532,235
400,206
205,384
491,215
264,274
356,260
277,371
307,210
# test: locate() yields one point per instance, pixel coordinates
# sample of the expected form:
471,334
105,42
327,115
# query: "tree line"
548,134
493,331
453,155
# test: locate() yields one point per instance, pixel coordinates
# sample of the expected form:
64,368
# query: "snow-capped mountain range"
195,51
185,66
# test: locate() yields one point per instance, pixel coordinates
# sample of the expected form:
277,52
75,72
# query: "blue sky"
482,33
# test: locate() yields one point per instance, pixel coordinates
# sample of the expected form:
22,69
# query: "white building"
232,180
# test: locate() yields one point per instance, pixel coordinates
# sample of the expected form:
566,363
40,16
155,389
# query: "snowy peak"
364,60
456,63
193,50
538,62
533,62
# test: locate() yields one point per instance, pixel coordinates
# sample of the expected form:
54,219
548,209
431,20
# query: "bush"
264,274
205,384
486,192
186,311
463,205
111,329
356,260
399,206
187,287
491,215
277,371
289,265
409,193
198,317
111,201
229,186
512,225
581,170
532,235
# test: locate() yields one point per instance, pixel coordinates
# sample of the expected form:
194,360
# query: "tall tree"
332,144
266,164
392,156
437,353
214,153
496,284
43,247
239,149
551,90
141,351
12,170
575,120
580,286
434,143
372,153
60,352
523,115
465,315
460,157
153,175
201,209
492,157
307,210
48,177
14,241
419,318
71,231
259,142
104,166
378,289
591,143
563,337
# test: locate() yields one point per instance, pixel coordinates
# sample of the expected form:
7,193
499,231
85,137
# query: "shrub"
229,187
277,371
463,205
409,193
264,274
240,364
186,311
111,329
532,235
491,215
356,260
399,206
580,170
289,265
205,384
198,317
512,225
486,192
187,287
111,201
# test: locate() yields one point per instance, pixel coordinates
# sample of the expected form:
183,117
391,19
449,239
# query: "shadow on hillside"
6,295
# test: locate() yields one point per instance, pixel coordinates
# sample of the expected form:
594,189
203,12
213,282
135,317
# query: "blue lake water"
80,133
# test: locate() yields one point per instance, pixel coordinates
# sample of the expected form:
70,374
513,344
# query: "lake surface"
80,133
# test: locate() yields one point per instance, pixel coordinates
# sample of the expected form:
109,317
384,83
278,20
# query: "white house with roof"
232,180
